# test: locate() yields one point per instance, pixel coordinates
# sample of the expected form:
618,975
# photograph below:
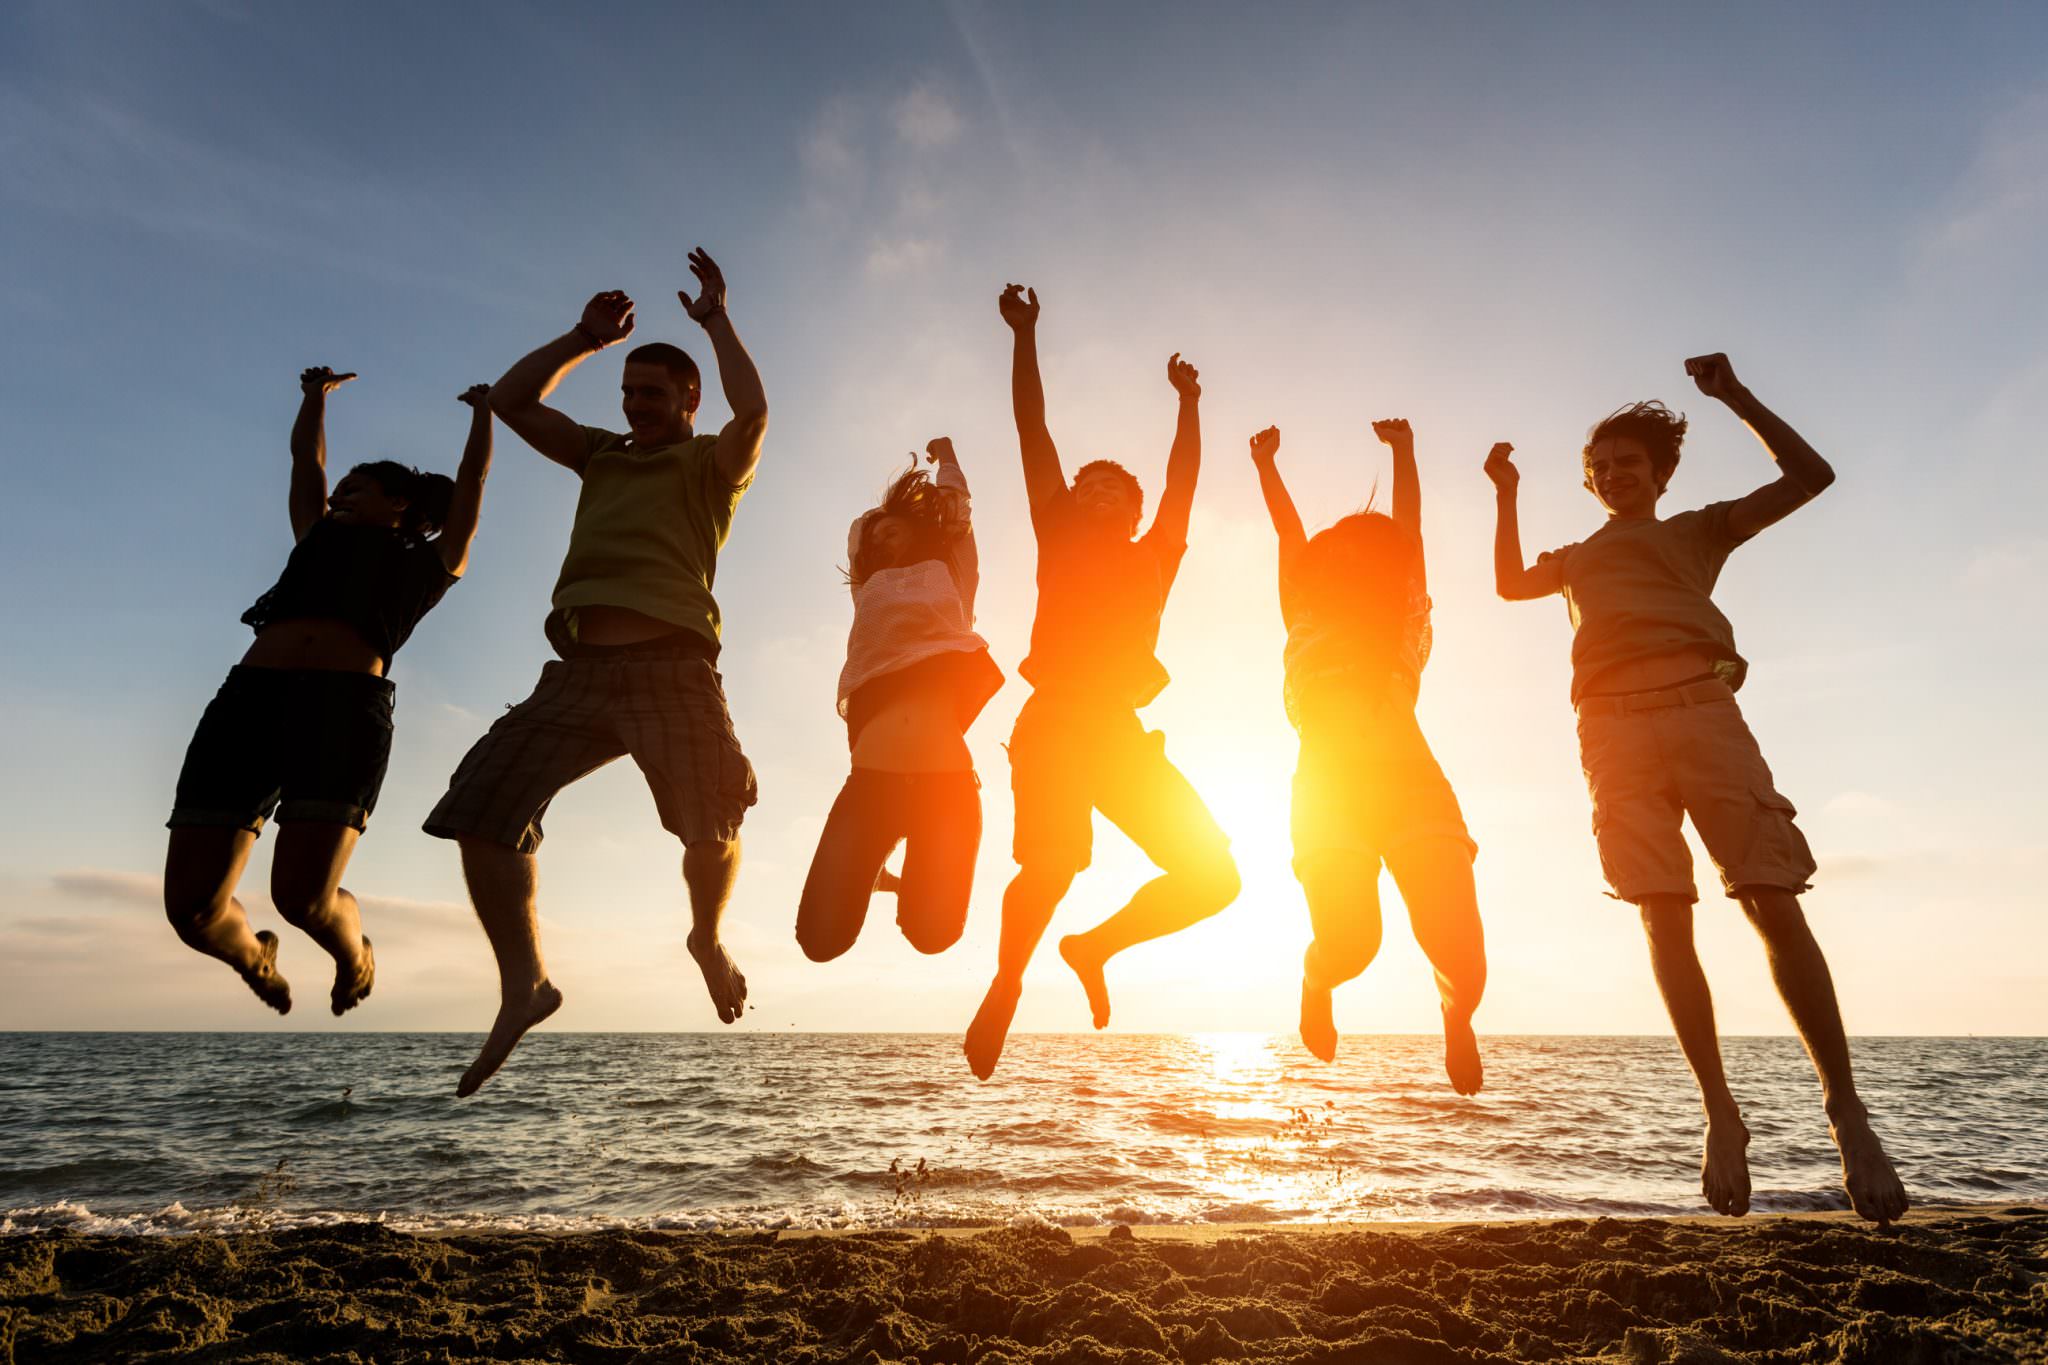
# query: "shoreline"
1961,1284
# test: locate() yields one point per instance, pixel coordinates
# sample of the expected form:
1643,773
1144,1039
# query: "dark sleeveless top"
376,579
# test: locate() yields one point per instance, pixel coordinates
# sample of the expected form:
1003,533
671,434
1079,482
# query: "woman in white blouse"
916,676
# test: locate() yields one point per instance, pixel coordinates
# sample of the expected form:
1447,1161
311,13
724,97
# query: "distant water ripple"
175,1132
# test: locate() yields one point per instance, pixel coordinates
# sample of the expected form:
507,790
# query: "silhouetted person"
1654,673
302,726
1078,746
916,676
1368,790
637,630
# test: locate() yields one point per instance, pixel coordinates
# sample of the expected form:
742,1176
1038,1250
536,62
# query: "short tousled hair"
1661,431
427,497
674,359
932,514
1125,476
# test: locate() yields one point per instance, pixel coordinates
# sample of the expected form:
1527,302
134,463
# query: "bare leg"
201,869
1344,909
502,885
1033,894
1184,896
305,884
1808,989
1435,877
709,871
1724,1170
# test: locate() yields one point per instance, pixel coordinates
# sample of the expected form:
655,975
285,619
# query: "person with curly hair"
1654,676
301,729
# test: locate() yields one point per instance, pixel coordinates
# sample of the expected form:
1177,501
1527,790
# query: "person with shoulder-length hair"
302,727
916,676
1368,791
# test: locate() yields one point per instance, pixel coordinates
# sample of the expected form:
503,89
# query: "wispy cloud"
121,888
925,119
2003,198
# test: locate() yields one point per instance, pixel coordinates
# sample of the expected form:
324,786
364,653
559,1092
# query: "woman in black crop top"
302,726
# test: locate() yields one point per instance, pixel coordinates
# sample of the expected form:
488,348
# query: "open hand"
710,300
1394,433
1185,378
1019,307
1714,375
1501,469
477,396
1266,445
939,450
608,317
319,379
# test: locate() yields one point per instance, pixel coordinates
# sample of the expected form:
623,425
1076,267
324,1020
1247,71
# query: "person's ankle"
1846,1112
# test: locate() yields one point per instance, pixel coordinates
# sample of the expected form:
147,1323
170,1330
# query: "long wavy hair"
930,514
1358,581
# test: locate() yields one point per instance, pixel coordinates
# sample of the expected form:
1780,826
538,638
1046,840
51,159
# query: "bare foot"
1074,948
352,980
728,988
272,989
1461,1055
1875,1190
1318,1027
1724,1168
888,882
515,1017
991,1027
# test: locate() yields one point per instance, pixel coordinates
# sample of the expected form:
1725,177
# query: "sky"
1498,221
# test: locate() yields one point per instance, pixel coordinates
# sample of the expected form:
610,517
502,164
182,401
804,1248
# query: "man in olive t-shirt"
1654,673
637,628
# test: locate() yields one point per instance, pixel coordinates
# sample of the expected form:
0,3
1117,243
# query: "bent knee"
819,948
933,936
188,914
1213,878
1772,910
1343,954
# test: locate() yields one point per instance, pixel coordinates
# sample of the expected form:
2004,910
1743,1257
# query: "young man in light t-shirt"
1654,673
637,630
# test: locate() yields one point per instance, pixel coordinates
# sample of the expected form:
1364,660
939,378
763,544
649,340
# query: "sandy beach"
1947,1286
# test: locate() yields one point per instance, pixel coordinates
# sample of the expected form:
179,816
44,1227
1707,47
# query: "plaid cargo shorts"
665,708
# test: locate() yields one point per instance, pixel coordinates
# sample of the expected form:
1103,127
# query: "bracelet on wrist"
589,337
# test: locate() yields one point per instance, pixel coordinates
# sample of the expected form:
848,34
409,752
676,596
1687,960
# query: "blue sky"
1499,222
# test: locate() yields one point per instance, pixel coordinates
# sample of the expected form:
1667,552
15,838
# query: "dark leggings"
938,814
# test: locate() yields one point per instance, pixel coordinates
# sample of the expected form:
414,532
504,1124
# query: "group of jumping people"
301,729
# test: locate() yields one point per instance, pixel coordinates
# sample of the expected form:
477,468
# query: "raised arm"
962,556
1512,579
1184,461
1395,434
1044,480
516,397
467,504
307,500
739,440
1803,474
1286,520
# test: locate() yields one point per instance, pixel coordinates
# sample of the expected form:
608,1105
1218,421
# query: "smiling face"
1109,499
1619,473
886,539
359,500
657,404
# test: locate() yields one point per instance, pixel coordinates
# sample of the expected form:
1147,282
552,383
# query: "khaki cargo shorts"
1653,758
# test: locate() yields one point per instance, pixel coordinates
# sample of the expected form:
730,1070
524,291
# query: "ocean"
178,1132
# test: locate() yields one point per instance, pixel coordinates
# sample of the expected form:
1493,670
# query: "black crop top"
373,578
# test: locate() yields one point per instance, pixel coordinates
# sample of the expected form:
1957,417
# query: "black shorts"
306,744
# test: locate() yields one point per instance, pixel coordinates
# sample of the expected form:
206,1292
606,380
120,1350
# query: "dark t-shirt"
376,579
1099,603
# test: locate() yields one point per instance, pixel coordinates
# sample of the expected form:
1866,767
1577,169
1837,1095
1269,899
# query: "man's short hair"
1661,431
1125,476
674,359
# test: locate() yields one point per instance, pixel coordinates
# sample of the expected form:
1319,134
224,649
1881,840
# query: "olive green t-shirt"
1640,587
649,525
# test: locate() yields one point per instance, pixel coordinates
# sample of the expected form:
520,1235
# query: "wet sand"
1947,1286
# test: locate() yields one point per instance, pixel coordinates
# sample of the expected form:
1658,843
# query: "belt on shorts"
677,644
1692,694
